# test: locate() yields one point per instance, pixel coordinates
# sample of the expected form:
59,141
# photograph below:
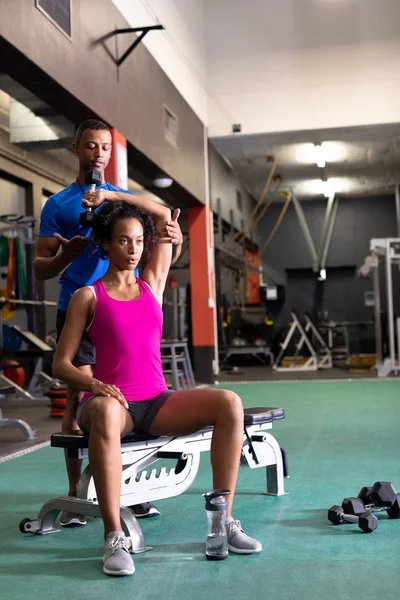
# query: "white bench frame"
260,449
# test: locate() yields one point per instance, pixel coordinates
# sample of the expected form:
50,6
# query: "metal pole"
389,289
212,303
377,312
397,190
328,211
306,233
329,234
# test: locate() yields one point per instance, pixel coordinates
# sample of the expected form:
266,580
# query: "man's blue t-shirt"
60,215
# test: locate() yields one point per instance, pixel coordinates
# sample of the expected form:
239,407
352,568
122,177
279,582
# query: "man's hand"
108,390
74,247
94,199
173,232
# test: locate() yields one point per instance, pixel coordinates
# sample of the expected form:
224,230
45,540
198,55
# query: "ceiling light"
320,156
334,185
305,153
162,181
327,188
335,151
309,153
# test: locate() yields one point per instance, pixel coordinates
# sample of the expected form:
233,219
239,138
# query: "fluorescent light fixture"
320,157
334,185
305,153
335,151
327,188
162,181
322,275
326,152
309,153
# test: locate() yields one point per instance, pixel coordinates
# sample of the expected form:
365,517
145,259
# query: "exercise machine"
388,251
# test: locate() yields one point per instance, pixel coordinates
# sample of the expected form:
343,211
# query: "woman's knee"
104,412
232,406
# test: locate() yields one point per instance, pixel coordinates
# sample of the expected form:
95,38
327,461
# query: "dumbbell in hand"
382,496
92,178
366,521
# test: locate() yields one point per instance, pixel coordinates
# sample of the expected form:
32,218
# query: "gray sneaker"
238,541
117,559
68,519
145,510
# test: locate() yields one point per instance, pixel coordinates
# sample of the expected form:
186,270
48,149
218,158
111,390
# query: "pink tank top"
126,335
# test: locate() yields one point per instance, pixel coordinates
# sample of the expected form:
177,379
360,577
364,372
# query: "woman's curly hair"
113,211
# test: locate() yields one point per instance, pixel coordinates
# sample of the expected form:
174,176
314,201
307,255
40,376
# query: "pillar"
253,279
117,169
203,300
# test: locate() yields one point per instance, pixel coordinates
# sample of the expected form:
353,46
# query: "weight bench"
139,451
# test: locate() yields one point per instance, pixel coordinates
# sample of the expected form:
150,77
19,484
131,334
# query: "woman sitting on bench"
123,317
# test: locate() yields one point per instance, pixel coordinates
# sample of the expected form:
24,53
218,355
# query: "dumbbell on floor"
382,496
366,521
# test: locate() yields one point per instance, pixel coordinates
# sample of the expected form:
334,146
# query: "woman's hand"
172,232
94,199
105,389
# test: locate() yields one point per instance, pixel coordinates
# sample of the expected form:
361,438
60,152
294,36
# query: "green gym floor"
339,436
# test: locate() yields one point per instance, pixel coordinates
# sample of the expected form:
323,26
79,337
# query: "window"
59,13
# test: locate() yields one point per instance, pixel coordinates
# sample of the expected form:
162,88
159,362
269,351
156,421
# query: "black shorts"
142,412
86,354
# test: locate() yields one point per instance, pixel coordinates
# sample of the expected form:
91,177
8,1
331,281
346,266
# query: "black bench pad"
258,416
78,439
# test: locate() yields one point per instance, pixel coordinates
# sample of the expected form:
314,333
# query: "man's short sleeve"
49,218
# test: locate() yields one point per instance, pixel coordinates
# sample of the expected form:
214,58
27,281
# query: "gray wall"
224,184
358,220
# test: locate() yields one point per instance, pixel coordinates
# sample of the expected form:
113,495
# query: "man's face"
94,150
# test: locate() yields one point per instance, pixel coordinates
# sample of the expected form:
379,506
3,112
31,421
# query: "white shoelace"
234,526
119,542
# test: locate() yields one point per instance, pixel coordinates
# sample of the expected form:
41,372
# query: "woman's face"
126,247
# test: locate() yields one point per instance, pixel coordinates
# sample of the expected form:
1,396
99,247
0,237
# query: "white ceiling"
361,161
235,28
291,65
297,72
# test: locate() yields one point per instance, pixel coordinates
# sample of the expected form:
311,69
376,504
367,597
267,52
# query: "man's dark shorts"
86,354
